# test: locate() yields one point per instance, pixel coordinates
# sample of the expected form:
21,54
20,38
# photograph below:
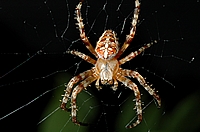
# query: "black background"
32,48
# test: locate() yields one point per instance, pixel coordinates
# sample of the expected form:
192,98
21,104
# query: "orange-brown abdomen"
107,46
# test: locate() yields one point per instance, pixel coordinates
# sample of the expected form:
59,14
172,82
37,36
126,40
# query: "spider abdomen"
107,46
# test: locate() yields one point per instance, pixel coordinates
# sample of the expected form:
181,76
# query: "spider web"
34,66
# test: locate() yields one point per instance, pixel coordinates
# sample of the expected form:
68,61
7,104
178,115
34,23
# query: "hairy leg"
70,85
83,56
134,54
128,83
142,81
83,36
85,83
130,37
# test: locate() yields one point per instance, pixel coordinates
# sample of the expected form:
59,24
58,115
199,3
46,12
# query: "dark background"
34,63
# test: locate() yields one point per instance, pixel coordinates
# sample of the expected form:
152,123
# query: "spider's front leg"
70,85
142,81
85,83
128,83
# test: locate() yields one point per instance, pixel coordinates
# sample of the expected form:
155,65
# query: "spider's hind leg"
83,36
131,35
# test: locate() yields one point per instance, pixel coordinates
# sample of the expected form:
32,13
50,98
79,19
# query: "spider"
107,70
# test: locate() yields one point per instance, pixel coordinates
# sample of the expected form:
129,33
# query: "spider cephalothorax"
107,68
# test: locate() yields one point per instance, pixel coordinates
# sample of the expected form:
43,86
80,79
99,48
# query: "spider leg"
131,35
75,92
83,36
128,83
134,54
142,81
70,85
83,56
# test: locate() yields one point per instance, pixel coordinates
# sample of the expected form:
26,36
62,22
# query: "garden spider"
107,67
